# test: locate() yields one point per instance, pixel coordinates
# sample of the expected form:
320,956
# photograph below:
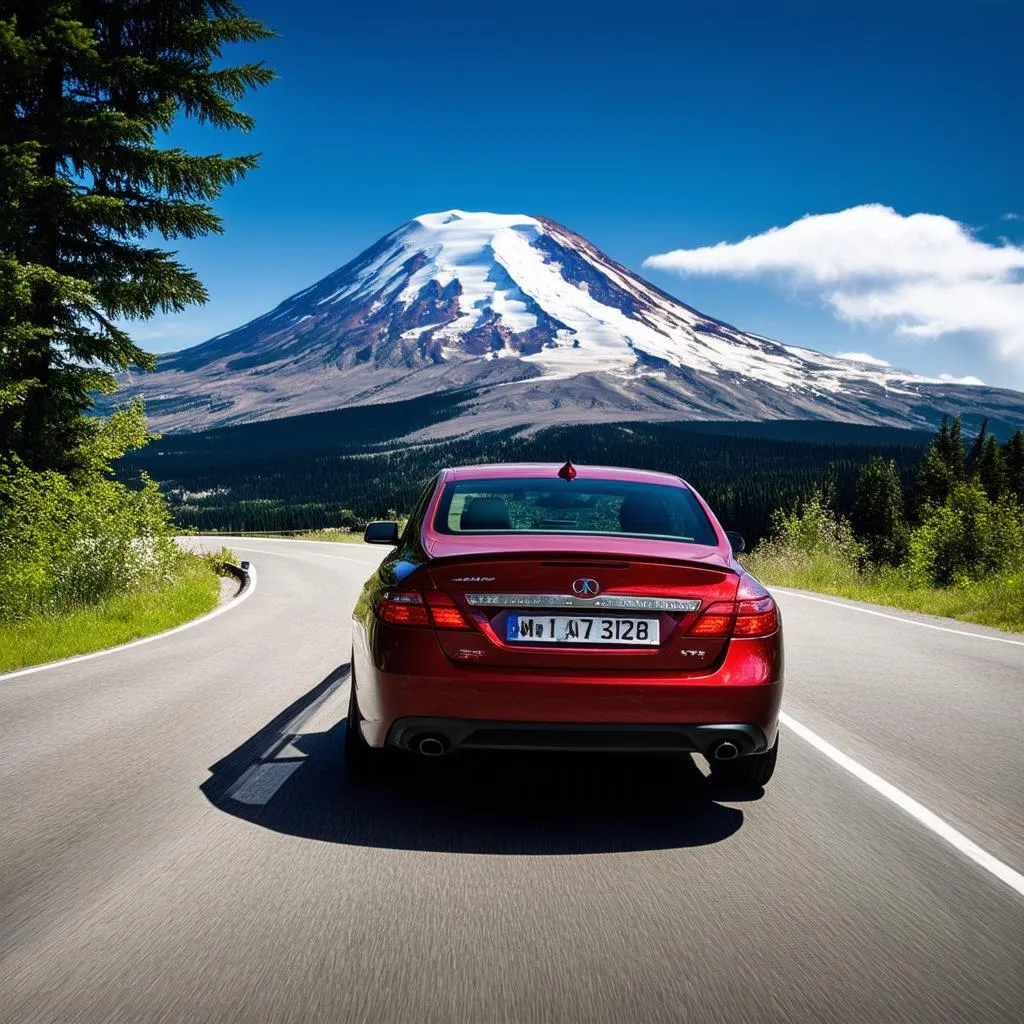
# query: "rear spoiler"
583,559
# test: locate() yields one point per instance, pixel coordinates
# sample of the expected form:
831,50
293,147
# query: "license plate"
582,629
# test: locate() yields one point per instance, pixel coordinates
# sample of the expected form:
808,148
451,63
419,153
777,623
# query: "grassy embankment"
997,601
335,536
115,620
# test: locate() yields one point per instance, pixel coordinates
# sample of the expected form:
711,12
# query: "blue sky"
646,127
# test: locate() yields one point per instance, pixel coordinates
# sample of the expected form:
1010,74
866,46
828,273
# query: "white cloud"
168,331
1011,216
924,275
950,379
864,357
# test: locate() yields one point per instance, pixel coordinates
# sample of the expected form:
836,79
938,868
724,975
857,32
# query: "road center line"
920,813
898,618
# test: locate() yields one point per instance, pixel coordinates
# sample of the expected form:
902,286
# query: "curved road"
178,841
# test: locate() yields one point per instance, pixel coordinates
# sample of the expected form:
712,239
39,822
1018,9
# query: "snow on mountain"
540,324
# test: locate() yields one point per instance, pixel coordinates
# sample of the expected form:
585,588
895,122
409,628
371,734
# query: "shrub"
811,544
72,541
966,538
348,520
813,528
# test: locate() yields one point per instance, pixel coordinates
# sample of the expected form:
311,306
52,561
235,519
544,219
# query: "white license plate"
581,629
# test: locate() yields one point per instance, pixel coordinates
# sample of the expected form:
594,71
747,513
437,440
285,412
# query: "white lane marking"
920,813
260,782
315,554
272,769
899,618
234,603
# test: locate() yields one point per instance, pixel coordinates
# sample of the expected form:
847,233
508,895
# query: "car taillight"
403,608
751,617
445,613
407,608
756,617
716,620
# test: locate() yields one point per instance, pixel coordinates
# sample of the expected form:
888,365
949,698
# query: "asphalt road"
178,841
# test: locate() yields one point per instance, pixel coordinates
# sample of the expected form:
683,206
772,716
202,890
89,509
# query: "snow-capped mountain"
541,326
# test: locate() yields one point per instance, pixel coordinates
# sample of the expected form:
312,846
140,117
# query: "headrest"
485,514
644,515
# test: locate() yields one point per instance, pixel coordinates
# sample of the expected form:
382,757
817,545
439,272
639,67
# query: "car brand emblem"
586,588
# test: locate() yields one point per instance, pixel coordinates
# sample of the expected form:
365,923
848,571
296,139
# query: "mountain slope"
541,325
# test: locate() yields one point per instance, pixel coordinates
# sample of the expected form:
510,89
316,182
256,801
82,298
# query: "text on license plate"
581,629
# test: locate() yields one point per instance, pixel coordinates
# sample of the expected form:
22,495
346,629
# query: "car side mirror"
737,542
381,533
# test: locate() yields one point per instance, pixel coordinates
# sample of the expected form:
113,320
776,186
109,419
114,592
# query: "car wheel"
752,770
360,758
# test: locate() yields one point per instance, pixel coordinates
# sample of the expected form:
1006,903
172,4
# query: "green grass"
114,621
338,536
998,601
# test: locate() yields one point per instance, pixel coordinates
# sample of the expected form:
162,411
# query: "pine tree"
87,88
990,469
942,466
877,516
977,447
1013,465
953,451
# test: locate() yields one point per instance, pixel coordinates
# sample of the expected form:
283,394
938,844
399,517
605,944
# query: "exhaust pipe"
432,746
726,750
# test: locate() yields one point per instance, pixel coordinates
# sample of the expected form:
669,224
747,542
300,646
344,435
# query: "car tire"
752,770
361,759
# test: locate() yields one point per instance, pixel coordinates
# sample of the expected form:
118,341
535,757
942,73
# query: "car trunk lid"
606,610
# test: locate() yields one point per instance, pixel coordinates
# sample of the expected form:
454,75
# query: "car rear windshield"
544,505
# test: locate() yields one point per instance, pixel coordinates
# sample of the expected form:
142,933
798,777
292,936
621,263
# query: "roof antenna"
568,471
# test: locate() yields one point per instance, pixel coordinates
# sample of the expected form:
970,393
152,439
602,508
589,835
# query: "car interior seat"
644,515
485,514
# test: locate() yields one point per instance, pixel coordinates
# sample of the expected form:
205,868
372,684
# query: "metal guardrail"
240,573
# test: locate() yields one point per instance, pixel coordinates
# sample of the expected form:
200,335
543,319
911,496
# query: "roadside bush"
214,561
72,541
348,520
813,528
967,538
810,543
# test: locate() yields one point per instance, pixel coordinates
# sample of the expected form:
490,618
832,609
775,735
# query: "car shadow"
295,783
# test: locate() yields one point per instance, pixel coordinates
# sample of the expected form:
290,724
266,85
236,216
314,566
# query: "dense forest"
343,467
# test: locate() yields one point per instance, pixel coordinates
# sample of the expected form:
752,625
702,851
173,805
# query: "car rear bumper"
744,688
449,735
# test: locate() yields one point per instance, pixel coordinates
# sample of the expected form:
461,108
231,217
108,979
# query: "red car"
538,607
